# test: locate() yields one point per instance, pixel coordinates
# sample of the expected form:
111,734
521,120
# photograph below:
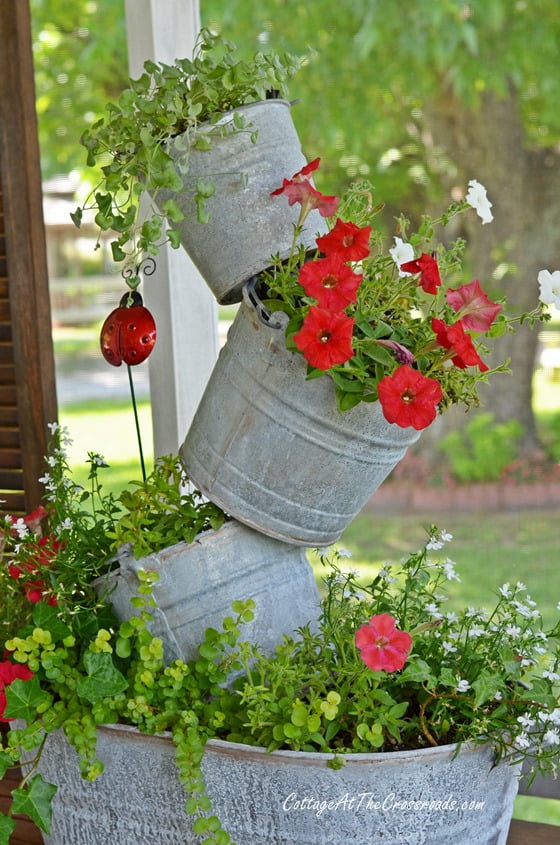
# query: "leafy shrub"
483,449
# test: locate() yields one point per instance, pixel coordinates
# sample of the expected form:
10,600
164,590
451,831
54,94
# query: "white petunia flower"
401,253
477,198
550,287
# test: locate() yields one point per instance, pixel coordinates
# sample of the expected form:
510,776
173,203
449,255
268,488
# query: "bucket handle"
264,315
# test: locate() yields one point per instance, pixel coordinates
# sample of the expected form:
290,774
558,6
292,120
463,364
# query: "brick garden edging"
412,497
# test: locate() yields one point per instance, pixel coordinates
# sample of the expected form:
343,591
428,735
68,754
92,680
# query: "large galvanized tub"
285,798
199,581
272,449
247,226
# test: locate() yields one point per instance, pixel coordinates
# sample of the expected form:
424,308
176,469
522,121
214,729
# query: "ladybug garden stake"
129,332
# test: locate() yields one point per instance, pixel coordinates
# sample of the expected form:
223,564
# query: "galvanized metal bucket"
247,226
272,449
426,797
199,581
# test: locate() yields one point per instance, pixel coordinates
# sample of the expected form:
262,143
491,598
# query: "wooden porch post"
27,374
184,309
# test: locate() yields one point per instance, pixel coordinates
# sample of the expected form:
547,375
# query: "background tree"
420,97
80,64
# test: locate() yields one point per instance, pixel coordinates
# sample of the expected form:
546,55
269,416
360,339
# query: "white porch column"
183,306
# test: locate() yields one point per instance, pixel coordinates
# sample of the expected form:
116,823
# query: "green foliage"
131,143
483,449
162,511
463,679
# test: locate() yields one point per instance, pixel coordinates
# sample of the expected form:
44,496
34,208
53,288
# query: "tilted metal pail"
272,449
247,226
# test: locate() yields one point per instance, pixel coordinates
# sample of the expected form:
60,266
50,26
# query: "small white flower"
401,253
20,528
477,198
512,630
476,631
445,536
451,617
448,647
520,586
433,544
551,676
66,525
498,696
525,721
551,738
522,741
53,427
434,610
449,568
344,553
550,287
504,590
462,686
554,716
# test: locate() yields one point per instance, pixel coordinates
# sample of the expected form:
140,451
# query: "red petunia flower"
428,268
300,189
10,672
456,339
382,645
29,570
347,240
330,281
300,176
409,398
474,309
325,338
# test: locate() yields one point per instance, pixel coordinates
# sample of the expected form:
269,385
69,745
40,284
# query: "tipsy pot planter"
198,582
246,225
425,797
272,449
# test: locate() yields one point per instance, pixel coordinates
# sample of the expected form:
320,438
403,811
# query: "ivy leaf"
24,698
486,686
45,616
7,827
103,679
35,801
5,763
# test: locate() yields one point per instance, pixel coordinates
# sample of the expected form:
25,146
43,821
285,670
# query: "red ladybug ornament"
129,332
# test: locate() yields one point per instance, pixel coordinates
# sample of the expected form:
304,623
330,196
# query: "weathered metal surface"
247,226
284,798
272,449
199,581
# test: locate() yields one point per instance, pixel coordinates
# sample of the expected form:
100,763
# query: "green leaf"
76,217
7,827
5,763
45,616
103,681
24,698
35,801
486,686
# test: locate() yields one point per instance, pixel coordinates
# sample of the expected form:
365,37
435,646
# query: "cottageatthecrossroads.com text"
366,801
